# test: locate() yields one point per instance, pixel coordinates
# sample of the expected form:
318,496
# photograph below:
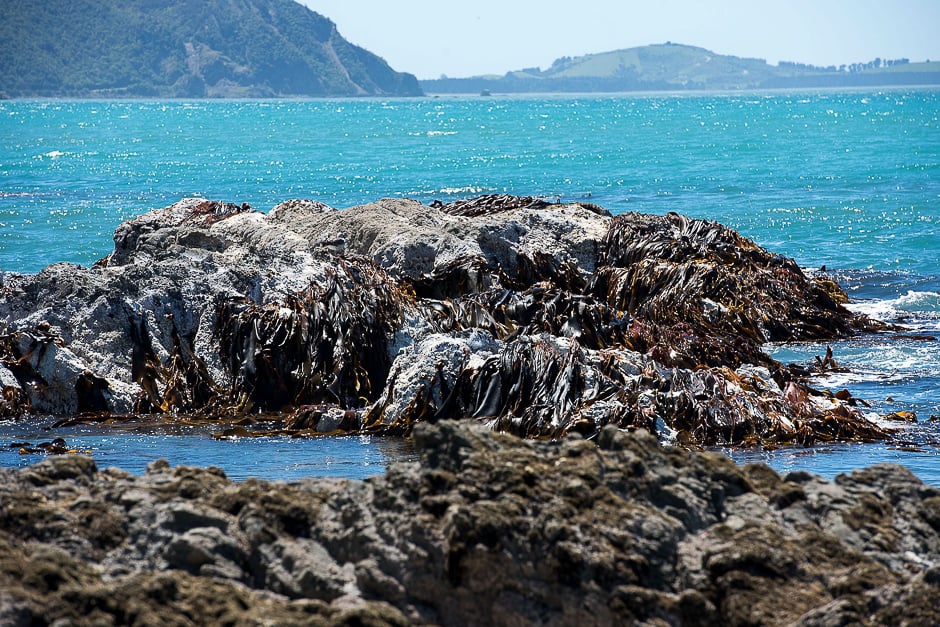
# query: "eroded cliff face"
533,318
192,49
485,529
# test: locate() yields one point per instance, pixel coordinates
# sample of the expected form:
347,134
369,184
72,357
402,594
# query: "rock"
901,416
537,318
13,399
485,528
409,239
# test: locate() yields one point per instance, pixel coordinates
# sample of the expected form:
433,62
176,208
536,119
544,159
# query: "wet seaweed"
92,393
535,386
327,345
211,211
14,402
542,308
675,269
489,204
146,368
464,275
189,386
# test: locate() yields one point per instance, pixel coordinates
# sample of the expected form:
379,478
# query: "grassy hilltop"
183,48
677,67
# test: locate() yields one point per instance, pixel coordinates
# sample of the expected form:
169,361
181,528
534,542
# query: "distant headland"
673,67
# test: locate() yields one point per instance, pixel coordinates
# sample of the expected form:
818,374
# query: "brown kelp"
489,204
534,386
705,295
14,372
328,344
542,308
674,269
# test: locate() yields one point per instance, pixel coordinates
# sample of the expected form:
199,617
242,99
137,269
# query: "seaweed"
674,269
489,204
14,402
542,308
326,345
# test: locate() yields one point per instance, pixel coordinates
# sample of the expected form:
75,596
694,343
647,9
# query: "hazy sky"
434,37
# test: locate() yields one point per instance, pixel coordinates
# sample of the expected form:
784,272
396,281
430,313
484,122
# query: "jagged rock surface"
485,529
369,314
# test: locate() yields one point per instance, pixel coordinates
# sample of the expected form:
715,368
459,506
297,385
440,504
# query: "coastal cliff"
194,49
486,529
533,318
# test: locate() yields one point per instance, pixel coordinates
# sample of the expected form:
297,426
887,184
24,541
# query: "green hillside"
183,48
677,67
673,64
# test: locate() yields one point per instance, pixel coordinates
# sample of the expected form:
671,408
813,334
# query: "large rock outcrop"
535,318
486,529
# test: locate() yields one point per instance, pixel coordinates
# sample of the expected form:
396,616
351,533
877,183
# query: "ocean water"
133,447
849,180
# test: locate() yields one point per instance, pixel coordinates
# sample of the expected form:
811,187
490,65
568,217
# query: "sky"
433,37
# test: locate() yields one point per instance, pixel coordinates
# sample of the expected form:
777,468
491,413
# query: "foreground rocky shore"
534,318
486,529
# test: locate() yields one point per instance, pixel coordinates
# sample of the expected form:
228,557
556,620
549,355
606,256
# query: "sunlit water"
849,180
274,458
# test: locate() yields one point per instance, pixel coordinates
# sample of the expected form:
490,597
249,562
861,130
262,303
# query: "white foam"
919,301
920,310
470,189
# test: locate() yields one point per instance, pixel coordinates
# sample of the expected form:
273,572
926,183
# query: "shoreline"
496,94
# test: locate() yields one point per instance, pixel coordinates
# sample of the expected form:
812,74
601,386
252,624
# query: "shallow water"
849,180
272,458
831,460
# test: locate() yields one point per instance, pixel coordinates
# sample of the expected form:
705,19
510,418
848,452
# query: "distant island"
191,48
672,66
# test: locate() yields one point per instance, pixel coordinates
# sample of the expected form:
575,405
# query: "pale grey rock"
407,238
425,372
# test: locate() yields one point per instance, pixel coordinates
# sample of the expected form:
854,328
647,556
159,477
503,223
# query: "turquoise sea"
849,180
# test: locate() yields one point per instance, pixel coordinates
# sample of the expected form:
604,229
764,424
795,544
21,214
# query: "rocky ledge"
486,529
534,318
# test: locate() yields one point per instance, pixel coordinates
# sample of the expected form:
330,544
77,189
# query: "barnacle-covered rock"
521,240
482,528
